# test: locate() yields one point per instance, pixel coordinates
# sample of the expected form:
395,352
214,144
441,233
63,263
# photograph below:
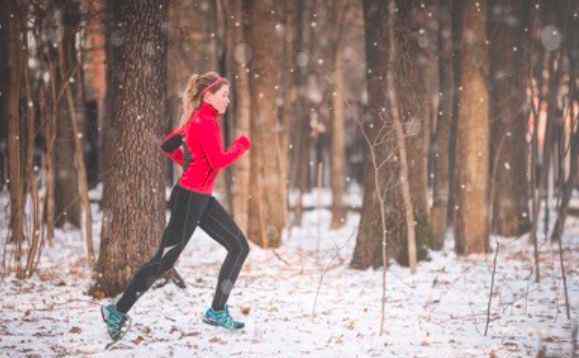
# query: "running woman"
197,146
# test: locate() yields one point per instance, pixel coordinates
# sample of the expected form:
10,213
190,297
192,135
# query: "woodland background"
447,120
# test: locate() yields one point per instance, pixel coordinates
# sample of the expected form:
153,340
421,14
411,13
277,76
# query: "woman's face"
219,99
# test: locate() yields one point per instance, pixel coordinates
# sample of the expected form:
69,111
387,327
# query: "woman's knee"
240,248
244,246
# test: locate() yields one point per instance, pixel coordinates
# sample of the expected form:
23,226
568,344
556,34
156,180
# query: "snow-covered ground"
304,300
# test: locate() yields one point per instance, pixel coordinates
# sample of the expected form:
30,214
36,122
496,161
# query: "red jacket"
202,156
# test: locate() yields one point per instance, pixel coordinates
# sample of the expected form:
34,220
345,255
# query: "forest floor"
304,300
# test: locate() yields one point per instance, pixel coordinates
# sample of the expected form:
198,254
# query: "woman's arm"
212,145
171,147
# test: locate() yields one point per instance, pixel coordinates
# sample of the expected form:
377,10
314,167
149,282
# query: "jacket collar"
206,108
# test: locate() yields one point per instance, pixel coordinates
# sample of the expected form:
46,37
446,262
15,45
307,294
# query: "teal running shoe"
222,319
115,320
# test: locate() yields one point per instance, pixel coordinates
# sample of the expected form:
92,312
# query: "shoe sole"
215,324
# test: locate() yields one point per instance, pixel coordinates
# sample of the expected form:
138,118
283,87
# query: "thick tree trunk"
134,207
368,249
412,89
510,113
472,165
267,208
441,182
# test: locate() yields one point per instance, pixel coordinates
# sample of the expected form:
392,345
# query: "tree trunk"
441,182
412,90
368,249
69,64
338,156
4,83
239,57
288,89
66,180
97,68
134,207
300,133
509,113
267,213
15,135
472,169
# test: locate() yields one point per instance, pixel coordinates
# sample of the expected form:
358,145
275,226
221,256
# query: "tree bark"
338,156
15,135
97,68
267,207
4,85
69,64
472,169
412,89
134,191
239,56
368,249
67,203
510,112
441,182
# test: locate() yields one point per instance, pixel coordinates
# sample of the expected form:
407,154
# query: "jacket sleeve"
212,145
171,147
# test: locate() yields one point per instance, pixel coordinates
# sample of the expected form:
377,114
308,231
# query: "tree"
368,249
15,134
410,73
73,88
509,112
133,190
267,208
441,142
4,76
67,205
238,53
472,165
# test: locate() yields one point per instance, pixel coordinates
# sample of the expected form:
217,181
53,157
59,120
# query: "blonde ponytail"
188,99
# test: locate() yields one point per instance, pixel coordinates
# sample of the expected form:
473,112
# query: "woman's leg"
186,211
221,227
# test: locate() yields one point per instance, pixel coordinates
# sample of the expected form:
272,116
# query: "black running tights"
189,210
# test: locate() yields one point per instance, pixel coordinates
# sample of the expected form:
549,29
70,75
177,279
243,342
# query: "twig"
564,277
325,270
492,286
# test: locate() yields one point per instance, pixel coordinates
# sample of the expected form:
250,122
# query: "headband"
213,84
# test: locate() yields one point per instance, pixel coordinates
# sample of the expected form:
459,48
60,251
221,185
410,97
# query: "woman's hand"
244,141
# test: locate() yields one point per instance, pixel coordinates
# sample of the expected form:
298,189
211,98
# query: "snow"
438,312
